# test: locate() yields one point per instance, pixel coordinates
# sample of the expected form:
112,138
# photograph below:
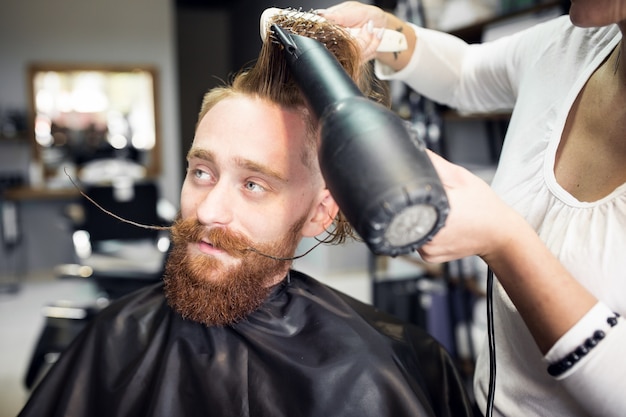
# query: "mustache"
192,231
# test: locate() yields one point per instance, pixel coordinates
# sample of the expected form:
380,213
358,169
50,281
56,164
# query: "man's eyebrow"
261,169
200,154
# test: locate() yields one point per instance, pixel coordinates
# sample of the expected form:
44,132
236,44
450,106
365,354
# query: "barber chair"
117,256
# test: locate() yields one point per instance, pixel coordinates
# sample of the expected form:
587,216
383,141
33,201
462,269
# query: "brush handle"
391,41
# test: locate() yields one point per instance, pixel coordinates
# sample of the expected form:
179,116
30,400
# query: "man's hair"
270,79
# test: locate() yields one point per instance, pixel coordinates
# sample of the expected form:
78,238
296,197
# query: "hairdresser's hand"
370,20
548,298
479,222
355,15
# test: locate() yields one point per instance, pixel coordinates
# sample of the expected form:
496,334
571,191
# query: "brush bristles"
334,37
308,24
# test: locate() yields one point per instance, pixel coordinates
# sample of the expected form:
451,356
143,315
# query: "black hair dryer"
384,183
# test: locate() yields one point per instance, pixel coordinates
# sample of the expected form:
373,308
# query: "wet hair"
269,78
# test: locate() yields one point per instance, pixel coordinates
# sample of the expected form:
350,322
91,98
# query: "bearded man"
232,330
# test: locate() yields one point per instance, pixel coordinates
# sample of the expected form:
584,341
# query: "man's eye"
201,174
253,186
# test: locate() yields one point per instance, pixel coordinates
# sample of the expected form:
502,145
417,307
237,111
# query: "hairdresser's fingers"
352,14
364,22
445,245
451,175
477,220
369,39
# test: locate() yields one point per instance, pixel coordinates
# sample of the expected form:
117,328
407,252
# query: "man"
233,331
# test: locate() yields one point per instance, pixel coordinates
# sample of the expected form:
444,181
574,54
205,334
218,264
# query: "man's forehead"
249,123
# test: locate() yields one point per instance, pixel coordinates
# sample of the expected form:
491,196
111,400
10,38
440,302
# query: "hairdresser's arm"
442,67
432,64
559,312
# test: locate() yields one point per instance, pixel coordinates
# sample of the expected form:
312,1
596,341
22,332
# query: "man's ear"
321,215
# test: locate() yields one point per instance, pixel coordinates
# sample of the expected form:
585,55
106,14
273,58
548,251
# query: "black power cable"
492,345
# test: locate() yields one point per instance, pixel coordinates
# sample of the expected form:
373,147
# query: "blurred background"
106,93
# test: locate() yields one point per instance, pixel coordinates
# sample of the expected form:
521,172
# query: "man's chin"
214,276
210,267
221,290
209,295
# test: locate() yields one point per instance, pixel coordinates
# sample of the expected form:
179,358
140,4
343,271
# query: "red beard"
232,293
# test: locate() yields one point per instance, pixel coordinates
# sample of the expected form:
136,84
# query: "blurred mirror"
84,115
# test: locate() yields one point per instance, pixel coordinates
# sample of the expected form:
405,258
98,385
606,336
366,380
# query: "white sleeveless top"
540,71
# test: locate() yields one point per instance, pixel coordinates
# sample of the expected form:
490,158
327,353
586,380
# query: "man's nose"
216,207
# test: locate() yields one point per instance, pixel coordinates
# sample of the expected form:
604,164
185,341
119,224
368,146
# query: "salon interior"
100,98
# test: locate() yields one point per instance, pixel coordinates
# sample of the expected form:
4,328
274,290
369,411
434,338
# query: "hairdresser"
552,227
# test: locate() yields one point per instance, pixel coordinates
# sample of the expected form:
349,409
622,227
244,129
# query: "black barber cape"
308,351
